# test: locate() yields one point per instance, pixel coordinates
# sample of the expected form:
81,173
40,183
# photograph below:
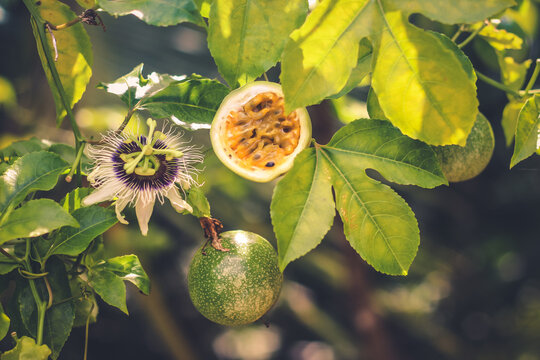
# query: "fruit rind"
235,287
234,101
460,163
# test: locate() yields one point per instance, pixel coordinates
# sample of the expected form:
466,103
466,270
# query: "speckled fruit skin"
236,287
233,101
460,163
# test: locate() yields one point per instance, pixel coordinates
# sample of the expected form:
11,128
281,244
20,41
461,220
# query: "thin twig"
49,290
473,35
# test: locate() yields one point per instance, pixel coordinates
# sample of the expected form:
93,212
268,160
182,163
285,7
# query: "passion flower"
252,135
137,169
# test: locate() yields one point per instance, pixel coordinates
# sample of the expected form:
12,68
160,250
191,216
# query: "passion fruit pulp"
238,286
252,135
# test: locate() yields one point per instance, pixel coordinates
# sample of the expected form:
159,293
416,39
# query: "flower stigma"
137,169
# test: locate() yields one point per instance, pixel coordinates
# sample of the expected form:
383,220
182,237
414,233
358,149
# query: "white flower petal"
120,205
144,211
177,202
103,193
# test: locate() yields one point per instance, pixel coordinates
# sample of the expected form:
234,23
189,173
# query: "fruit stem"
212,227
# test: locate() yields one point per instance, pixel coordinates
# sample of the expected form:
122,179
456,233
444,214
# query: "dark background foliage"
473,291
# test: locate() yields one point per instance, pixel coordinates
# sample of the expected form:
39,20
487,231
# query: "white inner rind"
235,102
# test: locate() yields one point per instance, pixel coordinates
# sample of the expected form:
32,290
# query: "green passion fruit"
460,163
252,135
235,287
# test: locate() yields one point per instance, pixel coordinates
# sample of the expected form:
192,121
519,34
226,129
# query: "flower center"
145,162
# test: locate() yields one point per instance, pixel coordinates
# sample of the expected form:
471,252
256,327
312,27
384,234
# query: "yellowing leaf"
75,57
527,131
452,11
319,57
246,37
424,83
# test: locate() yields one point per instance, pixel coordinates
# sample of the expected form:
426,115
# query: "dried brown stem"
212,228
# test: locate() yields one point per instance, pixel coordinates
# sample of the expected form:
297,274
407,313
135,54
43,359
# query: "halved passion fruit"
252,135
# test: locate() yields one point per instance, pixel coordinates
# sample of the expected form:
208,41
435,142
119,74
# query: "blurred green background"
473,291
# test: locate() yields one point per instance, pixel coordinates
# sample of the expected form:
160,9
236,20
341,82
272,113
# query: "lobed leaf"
160,13
527,131
246,37
451,12
319,57
376,144
302,208
94,221
424,83
75,58
35,218
34,171
377,222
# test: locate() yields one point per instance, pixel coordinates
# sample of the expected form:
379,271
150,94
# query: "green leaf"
302,207
35,218
510,118
74,64
84,302
160,13
27,349
23,147
128,268
451,12
133,87
319,57
424,83
376,144
191,104
362,69
4,323
34,171
69,154
110,287
246,37
378,223
94,220
373,107
198,201
527,131
58,318
7,265
72,201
